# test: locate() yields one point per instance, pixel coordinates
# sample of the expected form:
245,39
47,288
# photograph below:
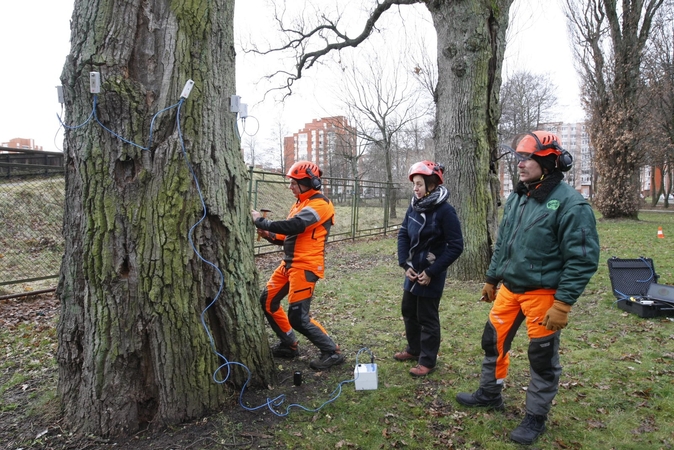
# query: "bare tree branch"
328,31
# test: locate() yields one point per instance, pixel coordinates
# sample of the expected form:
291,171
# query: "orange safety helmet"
541,143
426,168
306,169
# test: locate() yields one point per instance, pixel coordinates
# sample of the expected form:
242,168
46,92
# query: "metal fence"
32,195
360,206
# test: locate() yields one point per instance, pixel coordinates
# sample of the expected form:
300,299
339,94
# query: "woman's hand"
423,279
411,274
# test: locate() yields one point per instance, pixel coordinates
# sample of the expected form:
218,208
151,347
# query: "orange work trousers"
508,312
298,285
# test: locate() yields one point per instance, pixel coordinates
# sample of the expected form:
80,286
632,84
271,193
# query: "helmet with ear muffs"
544,143
306,169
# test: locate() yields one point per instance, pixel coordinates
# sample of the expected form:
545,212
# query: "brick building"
21,143
330,142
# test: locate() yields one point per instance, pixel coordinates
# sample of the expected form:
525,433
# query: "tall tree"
134,292
470,48
610,38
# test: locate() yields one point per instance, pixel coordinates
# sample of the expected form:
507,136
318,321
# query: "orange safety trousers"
298,285
506,316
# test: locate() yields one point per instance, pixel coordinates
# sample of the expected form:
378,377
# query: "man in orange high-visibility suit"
303,236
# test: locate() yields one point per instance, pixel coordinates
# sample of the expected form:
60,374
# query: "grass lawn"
616,388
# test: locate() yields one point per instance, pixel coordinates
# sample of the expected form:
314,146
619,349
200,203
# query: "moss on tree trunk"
471,44
132,348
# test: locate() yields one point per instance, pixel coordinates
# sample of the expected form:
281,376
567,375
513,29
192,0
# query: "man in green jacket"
545,254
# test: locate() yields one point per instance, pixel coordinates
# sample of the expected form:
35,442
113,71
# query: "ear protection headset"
564,160
316,182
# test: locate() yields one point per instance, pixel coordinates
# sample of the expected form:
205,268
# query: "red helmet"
541,143
304,169
426,168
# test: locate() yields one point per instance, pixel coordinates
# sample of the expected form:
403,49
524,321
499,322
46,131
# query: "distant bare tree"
249,146
658,76
415,145
349,150
527,100
426,71
279,132
610,38
383,101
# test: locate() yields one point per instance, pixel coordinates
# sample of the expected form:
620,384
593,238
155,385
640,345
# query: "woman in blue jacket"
429,241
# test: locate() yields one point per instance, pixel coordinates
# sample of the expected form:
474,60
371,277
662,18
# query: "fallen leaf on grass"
643,394
595,424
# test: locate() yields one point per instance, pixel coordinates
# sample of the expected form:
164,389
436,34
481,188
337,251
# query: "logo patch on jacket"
553,204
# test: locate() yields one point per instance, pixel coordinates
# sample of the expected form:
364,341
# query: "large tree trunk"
132,348
613,128
471,43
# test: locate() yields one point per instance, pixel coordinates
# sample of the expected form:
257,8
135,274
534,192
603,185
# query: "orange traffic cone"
660,233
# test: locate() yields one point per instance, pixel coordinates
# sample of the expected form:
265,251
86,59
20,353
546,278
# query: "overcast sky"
35,41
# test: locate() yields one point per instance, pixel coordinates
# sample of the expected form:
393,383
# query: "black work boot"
529,429
327,360
282,350
482,399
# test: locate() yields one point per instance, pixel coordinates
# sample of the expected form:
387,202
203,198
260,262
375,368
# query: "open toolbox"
635,285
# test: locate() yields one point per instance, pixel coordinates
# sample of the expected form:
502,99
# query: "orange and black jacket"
304,233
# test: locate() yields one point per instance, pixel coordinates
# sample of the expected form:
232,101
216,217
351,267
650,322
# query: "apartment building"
330,142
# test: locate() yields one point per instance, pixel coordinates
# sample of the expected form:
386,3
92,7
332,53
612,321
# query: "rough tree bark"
471,44
132,348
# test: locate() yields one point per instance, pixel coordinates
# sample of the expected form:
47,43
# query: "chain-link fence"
32,195
362,208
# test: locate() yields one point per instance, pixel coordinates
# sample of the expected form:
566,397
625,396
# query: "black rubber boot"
481,399
529,429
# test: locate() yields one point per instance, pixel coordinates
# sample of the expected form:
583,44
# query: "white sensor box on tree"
234,103
187,89
59,92
94,82
365,376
